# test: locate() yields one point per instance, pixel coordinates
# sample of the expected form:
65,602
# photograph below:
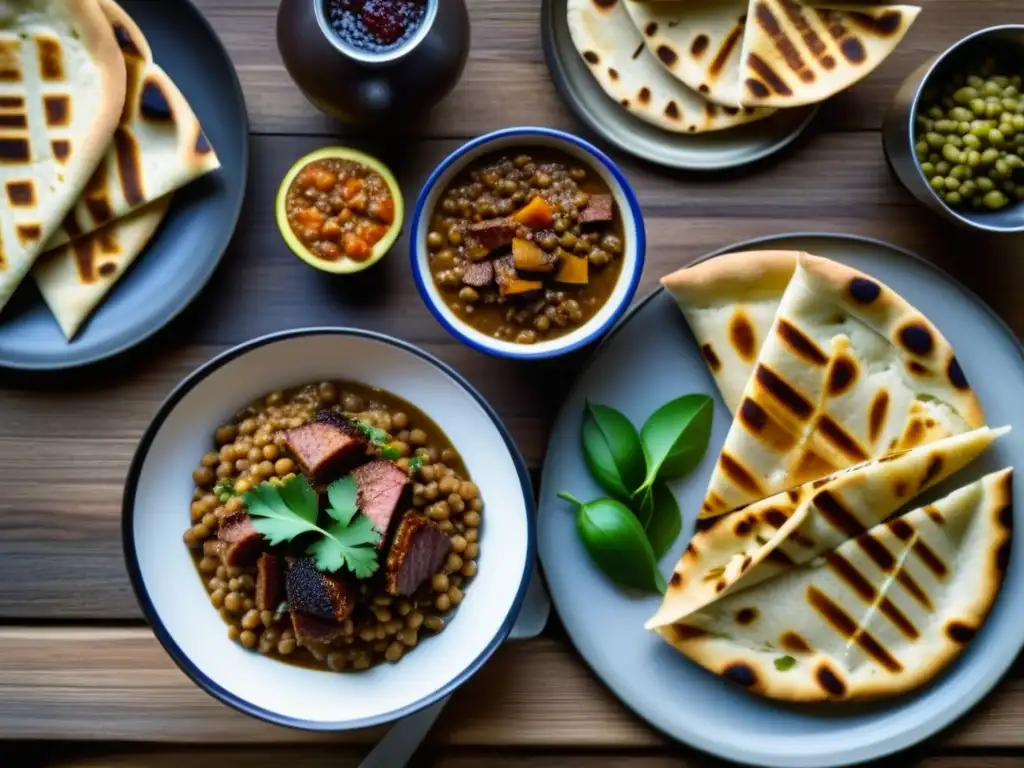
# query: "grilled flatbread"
62,87
849,371
75,277
614,51
881,615
734,552
159,145
730,303
795,54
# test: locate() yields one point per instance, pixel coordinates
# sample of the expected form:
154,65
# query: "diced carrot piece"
384,210
352,188
517,285
572,269
330,251
371,233
331,229
537,214
355,247
310,217
531,257
325,180
358,203
307,177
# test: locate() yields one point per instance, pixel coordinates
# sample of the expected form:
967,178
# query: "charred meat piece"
419,549
491,234
509,281
600,208
318,594
479,275
240,542
269,582
381,485
314,633
326,445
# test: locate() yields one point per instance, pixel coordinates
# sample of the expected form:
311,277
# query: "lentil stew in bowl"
334,526
526,245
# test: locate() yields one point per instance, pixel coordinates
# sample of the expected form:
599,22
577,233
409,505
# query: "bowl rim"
529,352
931,70
184,662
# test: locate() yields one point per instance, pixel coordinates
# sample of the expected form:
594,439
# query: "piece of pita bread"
794,54
159,145
75,277
849,371
880,615
734,552
614,51
730,303
62,88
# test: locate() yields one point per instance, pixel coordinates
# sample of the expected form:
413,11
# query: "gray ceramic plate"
185,251
650,358
704,152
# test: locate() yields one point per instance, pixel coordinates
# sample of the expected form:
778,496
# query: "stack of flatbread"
805,579
94,138
689,66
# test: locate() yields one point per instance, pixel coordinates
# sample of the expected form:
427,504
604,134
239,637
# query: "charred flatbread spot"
1003,556
830,681
720,586
667,55
743,528
887,23
794,643
900,488
842,375
746,563
605,3
919,370
932,471
613,73
1005,517
776,518
11,102
741,332
746,616
125,41
202,143
683,632
58,110
902,529
864,291
644,96
14,151
757,89
959,632
651,29
846,626
591,57
691,550
676,580
61,149
879,410
699,45
99,209
19,120
840,438
794,495
107,269
51,58
934,515
956,375
738,474
799,343
915,433
625,103
10,61
838,516
723,54
672,110
917,339
28,233
929,558
779,557
848,572
21,193
128,167
741,674
828,62
769,77
731,111
711,358
799,405
703,88
154,104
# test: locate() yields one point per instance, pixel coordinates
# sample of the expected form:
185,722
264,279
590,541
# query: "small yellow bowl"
344,265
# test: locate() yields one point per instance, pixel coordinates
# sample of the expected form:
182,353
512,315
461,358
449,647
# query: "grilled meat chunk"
269,582
418,551
240,541
381,487
322,595
326,446
599,208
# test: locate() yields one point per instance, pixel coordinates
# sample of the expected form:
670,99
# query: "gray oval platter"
186,249
650,358
716,151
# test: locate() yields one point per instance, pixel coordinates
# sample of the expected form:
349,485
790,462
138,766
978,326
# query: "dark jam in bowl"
375,26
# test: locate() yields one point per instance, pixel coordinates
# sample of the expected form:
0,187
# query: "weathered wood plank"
119,685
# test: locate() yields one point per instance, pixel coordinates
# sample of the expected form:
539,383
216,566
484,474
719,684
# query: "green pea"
975,82
938,183
1014,161
936,113
967,188
935,140
960,113
964,95
953,197
1010,105
991,89
963,127
996,138
934,157
993,108
945,126
1000,81
1002,168
954,140
970,141
943,167
952,183
985,184
1017,122
951,153
974,158
989,156
959,172
1010,91
1006,129
980,128
928,169
978,106
995,200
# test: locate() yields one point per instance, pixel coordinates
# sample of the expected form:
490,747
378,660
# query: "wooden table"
81,675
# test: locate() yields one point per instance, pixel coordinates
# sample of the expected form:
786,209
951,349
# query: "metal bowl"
898,131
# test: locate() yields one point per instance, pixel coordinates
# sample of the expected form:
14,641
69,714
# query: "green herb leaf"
660,517
675,437
617,544
390,453
612,450
784,663
283,512
343,495
375,435
415,464
353,545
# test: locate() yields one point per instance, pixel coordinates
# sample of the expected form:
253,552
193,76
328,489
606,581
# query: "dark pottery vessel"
357,86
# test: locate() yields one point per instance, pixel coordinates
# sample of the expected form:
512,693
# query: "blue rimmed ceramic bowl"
156,513
524,138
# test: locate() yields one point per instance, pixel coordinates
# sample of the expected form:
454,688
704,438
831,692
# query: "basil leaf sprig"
675,437
661,518
612,451
617,544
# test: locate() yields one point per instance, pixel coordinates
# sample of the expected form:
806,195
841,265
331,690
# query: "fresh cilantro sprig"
282,512
415,464
375,435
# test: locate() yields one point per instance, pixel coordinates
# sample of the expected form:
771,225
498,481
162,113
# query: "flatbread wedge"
75,277
882,614
734,552
802,53
849,371
614,51
158,147
62,88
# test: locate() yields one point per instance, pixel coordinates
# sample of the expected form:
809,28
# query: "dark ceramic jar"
358,86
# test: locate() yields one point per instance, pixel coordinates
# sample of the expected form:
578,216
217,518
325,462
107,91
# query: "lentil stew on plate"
526,246
379,496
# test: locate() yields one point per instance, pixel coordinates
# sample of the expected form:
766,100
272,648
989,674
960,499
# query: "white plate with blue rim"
650,358
175,602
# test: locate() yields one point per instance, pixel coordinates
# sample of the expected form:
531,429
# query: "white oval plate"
651,358
156,512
